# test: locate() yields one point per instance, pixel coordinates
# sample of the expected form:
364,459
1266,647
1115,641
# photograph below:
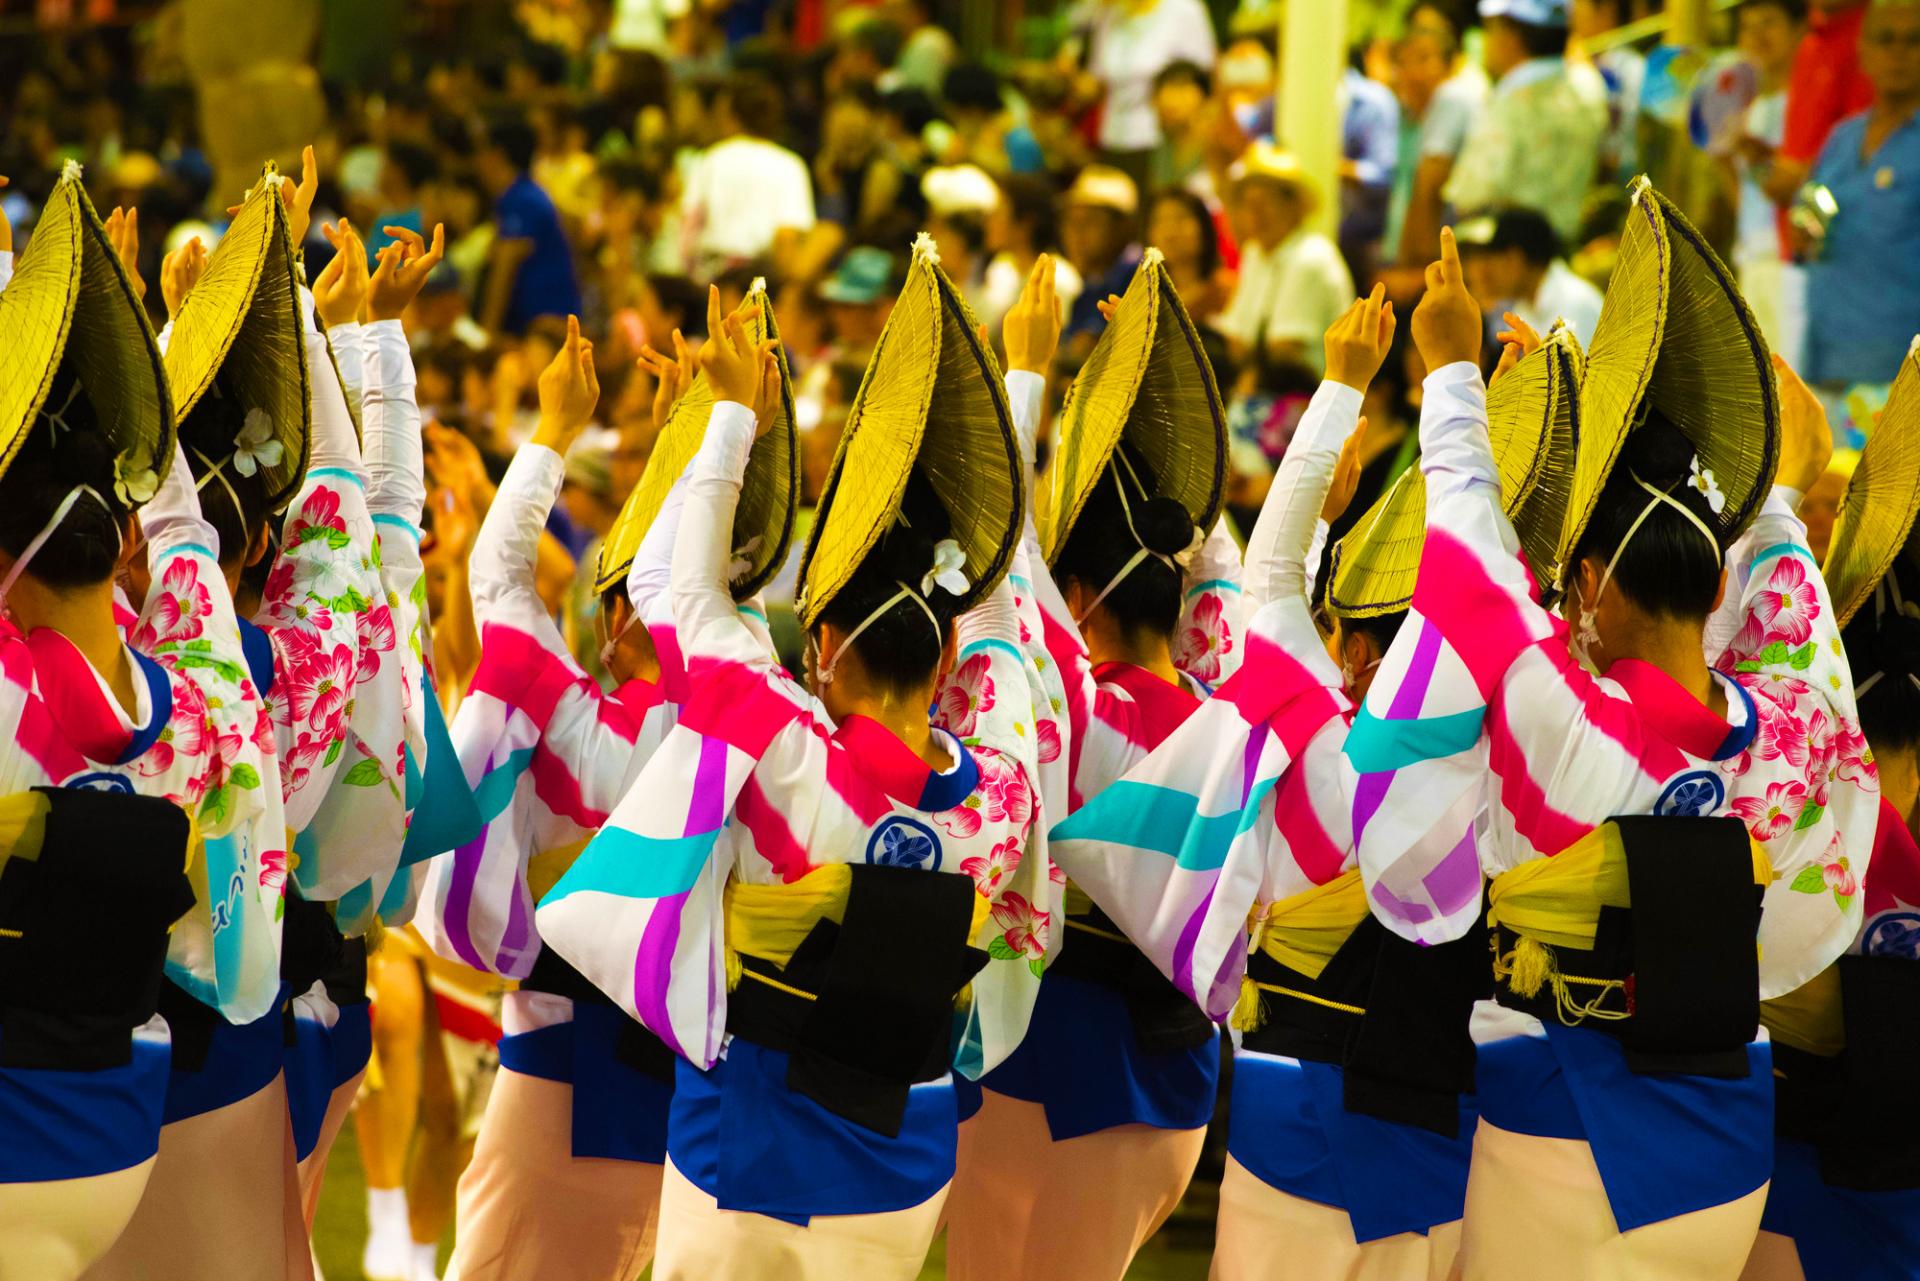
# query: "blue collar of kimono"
899,772
86,715
258,648
1683,720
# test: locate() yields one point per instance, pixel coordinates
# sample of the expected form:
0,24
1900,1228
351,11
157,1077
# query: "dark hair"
755,102
1148,598
899,650
878,38
513,137
1539,41
418,164
1209,233
1887,644
913,108
208,434
85,548
971,87
1796,10
969,226
1180,71
1378,628
1528,231
1030,201
1667,568
682,299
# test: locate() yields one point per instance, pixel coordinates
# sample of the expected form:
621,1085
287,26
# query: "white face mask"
612,646
1348,676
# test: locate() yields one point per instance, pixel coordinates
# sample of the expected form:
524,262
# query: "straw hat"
763,522
1267,162
1676,334
243,317
1147,380
71,299
1530,416
1877,512
932,398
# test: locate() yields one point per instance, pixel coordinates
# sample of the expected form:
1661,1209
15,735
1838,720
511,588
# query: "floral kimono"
740,832
1480,666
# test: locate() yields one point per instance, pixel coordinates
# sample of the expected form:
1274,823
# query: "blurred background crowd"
610,158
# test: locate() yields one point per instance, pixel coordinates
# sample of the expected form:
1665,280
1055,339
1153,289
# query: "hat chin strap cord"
825,674
60,513
1886,596
1659,496
215,472
1138,558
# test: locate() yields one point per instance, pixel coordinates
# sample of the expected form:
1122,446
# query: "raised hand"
180,272
671,377
341,290
1447,325
1806,441
1517,341
735,365
1032,327
1358,342
1346,476
123,233
404,267
298,198
569,389
1106,307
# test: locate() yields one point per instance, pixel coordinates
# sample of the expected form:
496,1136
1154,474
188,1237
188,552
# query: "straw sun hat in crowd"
763,522
1877,513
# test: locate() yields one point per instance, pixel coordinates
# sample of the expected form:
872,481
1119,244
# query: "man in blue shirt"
1863,295
530,267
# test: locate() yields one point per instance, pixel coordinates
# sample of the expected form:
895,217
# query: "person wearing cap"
1099,230
118,733
1077,1148
583,1098
1514,262
859,297
821,875
1863,277
1538,139
1635,820
1845,1196
1293,282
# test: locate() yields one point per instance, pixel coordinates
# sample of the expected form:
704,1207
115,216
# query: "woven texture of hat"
767,493
1676,333
1542,513
35,311
1375,567
243,318
1147,380
932,397
1877,514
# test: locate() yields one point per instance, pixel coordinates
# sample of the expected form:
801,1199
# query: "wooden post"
1312,62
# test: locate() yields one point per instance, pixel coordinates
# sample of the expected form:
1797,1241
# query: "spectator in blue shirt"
1370,148
530,266
1863,299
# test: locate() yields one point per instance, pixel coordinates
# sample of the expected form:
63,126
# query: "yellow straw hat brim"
1147,381
1676,334
1376,565
243,318
71,299
1877,512
1542,513
931,398
762,523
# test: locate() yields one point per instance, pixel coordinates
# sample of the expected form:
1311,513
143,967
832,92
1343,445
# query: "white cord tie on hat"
1177,562
214,472
1887,599
60,513
945,574
56,420
1588,632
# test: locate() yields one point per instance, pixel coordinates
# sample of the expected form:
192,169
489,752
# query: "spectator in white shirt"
747,198
1293,281
1128,44
1513,263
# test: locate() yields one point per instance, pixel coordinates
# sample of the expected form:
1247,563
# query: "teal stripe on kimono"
1379,746
1163,820
634,866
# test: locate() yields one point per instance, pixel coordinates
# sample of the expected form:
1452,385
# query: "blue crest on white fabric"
1695,794
902,842
101,781
1895,934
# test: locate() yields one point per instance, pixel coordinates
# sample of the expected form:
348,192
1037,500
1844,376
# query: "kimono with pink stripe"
755,783
1480,666
546,752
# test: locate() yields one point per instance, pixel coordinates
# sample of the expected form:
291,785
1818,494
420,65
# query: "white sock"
386,1257
387,1212
425,1257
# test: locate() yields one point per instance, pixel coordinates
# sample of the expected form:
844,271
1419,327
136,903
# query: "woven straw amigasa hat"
243,320
1676,335
1877,512
1531,416
70,303
1147,382
932,399
763,522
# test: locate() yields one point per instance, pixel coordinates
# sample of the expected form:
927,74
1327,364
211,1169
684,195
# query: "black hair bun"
905,554
1658,452
1893,647
1163,526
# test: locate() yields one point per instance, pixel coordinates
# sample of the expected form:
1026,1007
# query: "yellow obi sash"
23,830
769,922
1301,932
1555,902
1810,1017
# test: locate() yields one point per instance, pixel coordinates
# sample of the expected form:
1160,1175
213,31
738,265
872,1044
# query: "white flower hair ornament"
1184,559
947,573
741,563
134,478
1702,479
256,447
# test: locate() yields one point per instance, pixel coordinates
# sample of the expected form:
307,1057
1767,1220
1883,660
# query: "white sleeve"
335,442
1282,550
396,466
